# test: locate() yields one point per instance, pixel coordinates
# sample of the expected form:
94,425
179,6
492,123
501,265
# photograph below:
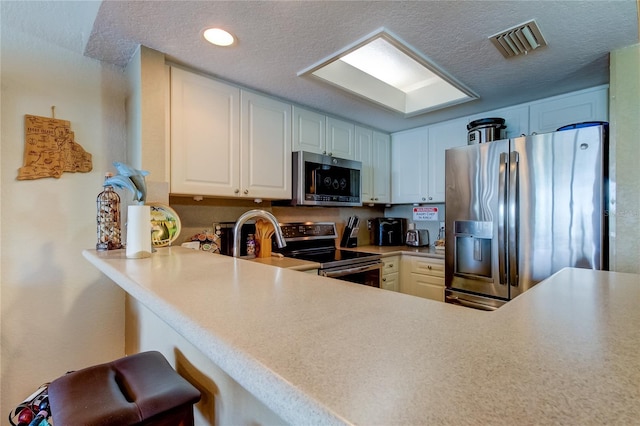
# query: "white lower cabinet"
423,277
390,273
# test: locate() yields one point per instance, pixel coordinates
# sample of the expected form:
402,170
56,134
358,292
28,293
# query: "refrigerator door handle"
512,231
502,217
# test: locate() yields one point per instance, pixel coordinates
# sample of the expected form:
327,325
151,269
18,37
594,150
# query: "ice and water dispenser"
473,249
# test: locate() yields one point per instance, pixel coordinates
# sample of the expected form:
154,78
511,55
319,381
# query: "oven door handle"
355,270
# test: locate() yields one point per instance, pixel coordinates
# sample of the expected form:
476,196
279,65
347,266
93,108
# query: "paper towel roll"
138,232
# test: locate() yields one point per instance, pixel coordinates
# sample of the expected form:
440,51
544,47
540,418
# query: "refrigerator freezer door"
473,185
561,196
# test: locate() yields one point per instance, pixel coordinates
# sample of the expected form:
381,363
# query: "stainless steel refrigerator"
519,210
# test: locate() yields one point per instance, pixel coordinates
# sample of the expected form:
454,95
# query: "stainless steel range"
316,242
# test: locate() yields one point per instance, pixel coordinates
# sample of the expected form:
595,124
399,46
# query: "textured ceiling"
277,39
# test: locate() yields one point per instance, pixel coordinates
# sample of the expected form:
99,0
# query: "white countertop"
322,351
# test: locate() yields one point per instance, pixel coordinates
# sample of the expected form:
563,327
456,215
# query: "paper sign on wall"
425,213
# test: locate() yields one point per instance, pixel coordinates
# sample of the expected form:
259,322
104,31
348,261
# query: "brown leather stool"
141,389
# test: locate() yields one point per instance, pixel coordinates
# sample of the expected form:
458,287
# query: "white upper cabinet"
381,167
205,135
309,129
549,114
373,149
227,144
341,138
409,174
417,161
265,147
320,134
442,136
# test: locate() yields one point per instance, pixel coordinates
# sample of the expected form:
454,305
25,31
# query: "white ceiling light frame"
401,78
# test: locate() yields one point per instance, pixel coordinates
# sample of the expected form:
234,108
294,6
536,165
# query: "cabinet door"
364,154
205,139
266,147
442,137
340,138
390,282
409,151
587,105
309,131
427,286
381,167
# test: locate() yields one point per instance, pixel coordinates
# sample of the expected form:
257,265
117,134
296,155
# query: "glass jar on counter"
108,218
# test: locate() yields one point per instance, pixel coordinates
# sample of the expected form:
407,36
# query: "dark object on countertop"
388,231
350,234
141,389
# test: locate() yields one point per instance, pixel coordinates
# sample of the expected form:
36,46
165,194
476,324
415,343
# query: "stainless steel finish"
502,218
298,184
250,215
472,301
417,237
485,130
547,199
341,271
512,231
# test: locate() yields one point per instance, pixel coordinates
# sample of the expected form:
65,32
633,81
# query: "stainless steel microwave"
322,180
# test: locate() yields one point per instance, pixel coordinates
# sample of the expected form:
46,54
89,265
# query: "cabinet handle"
428,266
424,199
391,265
246,191
430,198
384,279
324,152
236,191
376,199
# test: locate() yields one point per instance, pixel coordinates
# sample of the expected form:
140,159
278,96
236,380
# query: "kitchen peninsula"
320,351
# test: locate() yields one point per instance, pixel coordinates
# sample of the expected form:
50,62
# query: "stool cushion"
127,391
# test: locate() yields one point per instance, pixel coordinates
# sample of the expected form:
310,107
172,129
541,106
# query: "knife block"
263,247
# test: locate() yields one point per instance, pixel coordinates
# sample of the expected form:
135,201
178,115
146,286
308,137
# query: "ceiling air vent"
518,40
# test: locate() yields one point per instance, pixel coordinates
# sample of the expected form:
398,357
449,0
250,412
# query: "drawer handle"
384,279
429,267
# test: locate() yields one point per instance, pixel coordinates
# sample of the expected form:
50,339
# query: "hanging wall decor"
50,149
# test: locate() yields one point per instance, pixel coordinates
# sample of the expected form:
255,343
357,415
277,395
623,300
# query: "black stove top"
316,242
335,257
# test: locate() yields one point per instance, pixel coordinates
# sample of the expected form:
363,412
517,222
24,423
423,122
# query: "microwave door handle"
513,218
502,241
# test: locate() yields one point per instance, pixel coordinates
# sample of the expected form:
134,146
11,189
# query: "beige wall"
58,313
624,117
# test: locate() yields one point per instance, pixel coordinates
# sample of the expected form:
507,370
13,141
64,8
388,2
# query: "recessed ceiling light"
218,36
386,71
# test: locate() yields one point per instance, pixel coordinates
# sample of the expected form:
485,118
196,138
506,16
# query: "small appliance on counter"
388,231
350,234
417,237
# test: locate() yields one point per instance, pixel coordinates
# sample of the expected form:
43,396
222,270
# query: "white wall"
58,313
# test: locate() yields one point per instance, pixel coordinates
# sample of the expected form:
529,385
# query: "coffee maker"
388,231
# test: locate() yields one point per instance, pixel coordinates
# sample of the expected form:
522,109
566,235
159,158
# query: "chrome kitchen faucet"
250,215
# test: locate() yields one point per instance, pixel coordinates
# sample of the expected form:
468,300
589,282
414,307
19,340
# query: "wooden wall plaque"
50,149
